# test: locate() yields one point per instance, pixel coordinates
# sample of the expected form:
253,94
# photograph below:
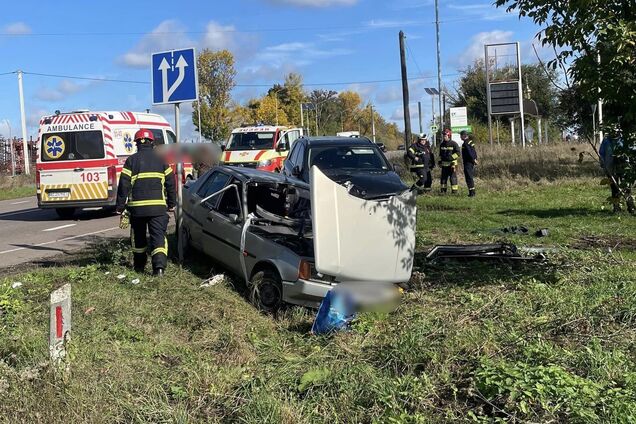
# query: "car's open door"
362,240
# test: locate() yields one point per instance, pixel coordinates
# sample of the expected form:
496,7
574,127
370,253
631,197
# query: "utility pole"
25,143
405,93
419,110
439,64
372,123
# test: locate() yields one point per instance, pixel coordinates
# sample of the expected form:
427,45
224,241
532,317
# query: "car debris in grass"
482,252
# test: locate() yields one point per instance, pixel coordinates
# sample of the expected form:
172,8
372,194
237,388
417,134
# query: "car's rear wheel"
65,213
266,291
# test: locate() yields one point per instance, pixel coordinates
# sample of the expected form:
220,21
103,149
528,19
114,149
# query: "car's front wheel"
266,291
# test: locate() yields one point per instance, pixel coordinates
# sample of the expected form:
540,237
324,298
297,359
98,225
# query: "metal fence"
12,155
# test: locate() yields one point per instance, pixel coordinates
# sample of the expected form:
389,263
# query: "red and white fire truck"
262,147
81,155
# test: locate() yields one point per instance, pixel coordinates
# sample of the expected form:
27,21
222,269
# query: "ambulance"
81,155
261,147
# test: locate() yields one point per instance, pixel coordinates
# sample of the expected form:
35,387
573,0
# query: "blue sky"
327,41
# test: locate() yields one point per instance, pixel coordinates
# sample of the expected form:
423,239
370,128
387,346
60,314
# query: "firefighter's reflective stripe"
158,202
455,187
148,175
126,171
163,249
136,249
168,171
83,191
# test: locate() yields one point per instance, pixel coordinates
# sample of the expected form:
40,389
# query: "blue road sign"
174,77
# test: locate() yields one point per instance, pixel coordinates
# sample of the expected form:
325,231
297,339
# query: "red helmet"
144,135
448,132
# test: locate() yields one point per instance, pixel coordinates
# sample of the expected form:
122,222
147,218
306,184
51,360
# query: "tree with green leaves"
290,95
216,81
595,41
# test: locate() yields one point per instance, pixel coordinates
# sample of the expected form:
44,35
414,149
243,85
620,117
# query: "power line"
86,78
371,26
237,85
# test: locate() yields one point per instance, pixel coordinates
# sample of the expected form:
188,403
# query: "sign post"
175,80
504,83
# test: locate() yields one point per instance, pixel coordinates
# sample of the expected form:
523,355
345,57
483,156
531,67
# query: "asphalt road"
29,234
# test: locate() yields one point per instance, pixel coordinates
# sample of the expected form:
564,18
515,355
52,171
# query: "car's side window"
215,182
230,203
158,135
172,139
301,157
293,156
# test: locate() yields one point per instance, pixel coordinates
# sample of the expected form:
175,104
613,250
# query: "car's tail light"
37,179
304,270
112,177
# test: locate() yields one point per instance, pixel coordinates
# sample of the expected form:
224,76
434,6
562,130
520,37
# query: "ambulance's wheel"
65,213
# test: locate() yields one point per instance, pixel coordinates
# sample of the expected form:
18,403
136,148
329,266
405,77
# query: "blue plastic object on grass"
335,313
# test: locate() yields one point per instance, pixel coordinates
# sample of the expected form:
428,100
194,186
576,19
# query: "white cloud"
4,129
64,89
398,114
476,48
167,35
172,34
314,3
481,11
17,28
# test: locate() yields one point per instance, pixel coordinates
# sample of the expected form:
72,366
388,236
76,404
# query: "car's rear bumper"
306,292
76,204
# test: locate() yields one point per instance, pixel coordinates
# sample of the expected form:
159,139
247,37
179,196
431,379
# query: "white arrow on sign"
164,67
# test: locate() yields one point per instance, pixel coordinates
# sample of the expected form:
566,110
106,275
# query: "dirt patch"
602,242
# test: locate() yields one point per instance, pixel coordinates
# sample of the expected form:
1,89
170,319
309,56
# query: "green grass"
16,187
539,343
17,192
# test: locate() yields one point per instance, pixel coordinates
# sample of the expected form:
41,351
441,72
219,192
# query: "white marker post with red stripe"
60,326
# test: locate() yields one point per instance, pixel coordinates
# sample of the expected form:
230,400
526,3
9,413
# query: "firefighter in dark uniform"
421,160
469,159
147,191
449,154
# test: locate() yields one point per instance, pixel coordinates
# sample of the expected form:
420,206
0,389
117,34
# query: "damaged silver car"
291,241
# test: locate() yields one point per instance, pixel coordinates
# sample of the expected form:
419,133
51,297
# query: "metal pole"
405,94
25,143
199,113
373,123
600,108
276,107
11,148
523,121
178,215
512,130
540,130
419,110
433,119
439,63
316,110
486,68
302,117
594,123
497,130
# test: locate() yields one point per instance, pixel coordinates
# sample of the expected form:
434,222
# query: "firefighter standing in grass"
448,154
469,159
146,192
421,161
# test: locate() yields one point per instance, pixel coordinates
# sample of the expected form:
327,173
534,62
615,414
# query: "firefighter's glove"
124,221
